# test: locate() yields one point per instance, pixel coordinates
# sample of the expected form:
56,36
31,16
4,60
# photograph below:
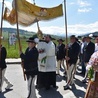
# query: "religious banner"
29,13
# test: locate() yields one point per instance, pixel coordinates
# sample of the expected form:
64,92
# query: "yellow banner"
29,13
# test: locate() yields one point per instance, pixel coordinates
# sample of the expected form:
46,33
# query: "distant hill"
23,33
26,34
93,33
13,30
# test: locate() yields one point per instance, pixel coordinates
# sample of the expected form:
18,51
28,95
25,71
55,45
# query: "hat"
33,40
61,40
72,36
95,36
89,36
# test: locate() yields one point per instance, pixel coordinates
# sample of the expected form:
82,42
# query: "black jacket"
3,57
88,51
30,61
60,52
73,53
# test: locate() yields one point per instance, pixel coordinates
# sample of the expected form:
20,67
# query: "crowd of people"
43,59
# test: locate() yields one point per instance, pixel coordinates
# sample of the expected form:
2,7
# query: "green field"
13,50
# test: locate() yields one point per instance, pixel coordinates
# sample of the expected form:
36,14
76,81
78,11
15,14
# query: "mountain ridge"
26,32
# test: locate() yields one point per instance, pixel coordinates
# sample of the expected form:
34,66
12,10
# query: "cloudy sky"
82,17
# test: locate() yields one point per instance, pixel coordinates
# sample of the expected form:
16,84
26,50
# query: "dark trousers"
83,65
46,79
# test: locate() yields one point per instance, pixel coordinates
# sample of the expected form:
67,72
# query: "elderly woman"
92,91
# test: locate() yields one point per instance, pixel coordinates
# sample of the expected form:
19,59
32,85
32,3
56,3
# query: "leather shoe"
66,87
84,81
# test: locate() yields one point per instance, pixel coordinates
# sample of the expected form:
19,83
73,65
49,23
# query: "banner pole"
1,40
20,48
66,34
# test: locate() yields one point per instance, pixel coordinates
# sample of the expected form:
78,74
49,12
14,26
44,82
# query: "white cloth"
96,47
49,53
51,60
31,88
41,65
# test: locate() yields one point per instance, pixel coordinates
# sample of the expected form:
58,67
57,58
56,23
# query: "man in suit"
88,50
30,59
3,69
81,55
96,43
60,55
73,52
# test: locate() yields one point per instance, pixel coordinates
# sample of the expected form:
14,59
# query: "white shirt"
96,47
82,46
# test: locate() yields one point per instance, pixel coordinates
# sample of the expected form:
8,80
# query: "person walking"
3,67
73,53
47,64
60,55
96,43
50,77
81,54
30,59
88,50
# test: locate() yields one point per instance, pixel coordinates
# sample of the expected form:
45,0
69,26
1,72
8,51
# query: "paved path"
19,89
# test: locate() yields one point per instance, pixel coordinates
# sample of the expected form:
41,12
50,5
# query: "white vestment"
47,61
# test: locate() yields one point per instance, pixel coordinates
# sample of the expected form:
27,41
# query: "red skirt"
92,89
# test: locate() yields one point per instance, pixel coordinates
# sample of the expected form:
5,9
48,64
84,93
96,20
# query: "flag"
29,13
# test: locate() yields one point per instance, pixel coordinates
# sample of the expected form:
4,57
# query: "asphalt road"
19,89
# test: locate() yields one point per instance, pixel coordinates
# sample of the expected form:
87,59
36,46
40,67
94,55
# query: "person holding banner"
30,59
73,52
50,63
3,69
47,64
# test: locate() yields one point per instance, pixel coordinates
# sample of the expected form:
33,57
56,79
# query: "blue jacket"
73,53
88,51
60,52
30,59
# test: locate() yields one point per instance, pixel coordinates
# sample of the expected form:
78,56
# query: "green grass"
13,50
